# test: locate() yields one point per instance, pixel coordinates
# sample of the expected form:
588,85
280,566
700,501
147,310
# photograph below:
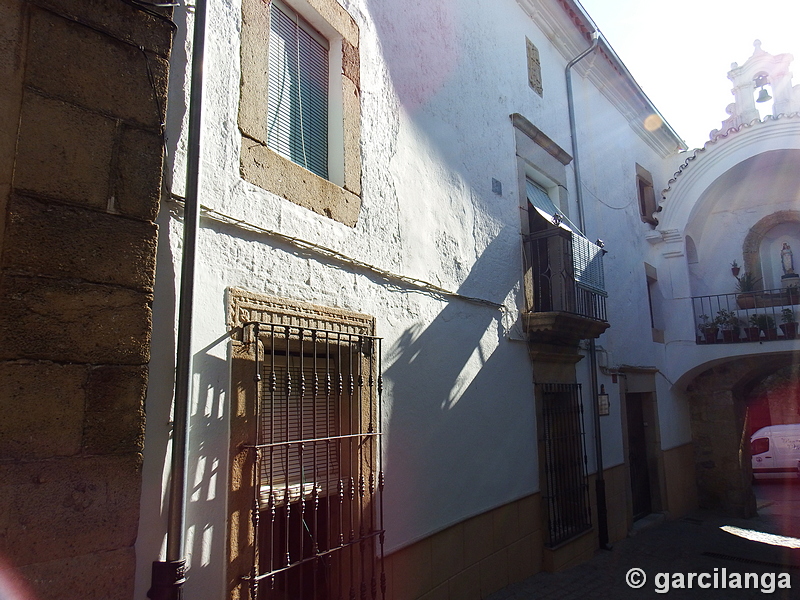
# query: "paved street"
695,544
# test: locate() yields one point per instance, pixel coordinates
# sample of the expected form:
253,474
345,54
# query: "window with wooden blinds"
297,102
300,419
317,488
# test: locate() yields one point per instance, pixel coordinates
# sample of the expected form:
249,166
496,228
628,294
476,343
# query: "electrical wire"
419,284
151,78
596,197
144,7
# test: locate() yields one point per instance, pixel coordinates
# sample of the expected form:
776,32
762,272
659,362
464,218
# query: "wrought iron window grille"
562,444
317,507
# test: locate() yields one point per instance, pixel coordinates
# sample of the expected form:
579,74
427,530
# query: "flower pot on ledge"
752,334
710,335
789,330
746,300
730,336
771,333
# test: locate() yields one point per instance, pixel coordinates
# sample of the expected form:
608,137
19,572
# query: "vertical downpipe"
573,130
168,576
600,484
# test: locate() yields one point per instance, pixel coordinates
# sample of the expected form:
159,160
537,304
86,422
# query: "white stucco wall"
438,83
717,196
612,214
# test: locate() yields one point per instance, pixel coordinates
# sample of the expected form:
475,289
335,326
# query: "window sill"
271,171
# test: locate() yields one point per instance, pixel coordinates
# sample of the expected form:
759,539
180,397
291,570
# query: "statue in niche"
787,260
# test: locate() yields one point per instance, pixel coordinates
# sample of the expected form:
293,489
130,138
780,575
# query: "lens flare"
653,122
12,586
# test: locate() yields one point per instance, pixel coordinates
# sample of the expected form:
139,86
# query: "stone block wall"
81,111
719,435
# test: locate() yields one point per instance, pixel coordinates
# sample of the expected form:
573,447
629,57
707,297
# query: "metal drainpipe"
600,484
572,129
168,576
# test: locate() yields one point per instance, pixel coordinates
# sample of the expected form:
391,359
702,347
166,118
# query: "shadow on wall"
208,447
207,469
460,432
206,475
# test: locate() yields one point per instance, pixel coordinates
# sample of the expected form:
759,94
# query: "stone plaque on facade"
534,68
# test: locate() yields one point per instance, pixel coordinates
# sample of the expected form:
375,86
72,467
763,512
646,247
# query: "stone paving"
694,544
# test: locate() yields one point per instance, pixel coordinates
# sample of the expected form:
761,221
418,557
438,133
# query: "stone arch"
719,432
752,242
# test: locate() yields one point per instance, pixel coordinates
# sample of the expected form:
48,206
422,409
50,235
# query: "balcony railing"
554,268
766,315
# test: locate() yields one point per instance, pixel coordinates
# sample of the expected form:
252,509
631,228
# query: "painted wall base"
477,557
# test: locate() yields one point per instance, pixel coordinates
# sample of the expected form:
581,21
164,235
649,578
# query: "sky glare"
680,54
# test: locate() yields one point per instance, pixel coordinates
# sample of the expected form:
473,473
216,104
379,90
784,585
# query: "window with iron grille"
297,102
317,486
562,447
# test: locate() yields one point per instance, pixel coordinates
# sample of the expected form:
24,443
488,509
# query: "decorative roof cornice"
718,137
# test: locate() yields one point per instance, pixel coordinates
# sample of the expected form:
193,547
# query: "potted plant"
708,329
746,288
735,268
729,322
788,324
753,333
766,324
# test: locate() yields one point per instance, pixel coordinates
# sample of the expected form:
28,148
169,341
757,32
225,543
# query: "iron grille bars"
563,449
317,488
755,316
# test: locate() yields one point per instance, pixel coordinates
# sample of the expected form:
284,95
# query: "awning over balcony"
587,257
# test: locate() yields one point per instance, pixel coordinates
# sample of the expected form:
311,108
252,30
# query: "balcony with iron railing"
564,286
758,316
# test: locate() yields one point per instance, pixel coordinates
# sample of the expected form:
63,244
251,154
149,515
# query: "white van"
776,451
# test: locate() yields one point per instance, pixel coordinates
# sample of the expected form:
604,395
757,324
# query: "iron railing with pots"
562,277
563,448
317,505
760,316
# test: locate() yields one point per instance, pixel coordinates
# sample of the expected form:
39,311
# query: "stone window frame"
339,197
244,306
542,161
656,309
645,193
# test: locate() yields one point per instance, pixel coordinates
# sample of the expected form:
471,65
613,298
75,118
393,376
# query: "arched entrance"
718,401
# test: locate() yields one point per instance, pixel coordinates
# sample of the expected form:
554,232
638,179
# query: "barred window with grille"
563,460
317,485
